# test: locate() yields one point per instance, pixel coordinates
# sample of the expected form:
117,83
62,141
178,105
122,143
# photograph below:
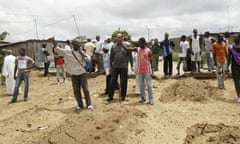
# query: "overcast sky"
148,18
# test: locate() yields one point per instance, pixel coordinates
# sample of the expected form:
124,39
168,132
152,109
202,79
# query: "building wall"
33,50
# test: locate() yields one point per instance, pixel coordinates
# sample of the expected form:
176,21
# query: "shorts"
196,56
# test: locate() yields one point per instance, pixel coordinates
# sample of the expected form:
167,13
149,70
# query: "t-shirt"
208,44
195,44
67,48
219,50
99,46
156,49
144,65
119,57
43,55
89,47
59,59
24,63
167,47
184,45
73,66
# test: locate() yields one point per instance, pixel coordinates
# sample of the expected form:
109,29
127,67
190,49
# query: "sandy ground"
185,111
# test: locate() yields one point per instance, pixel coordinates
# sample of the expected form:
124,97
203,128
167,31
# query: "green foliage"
80,38
204,58
3,35
175,56
123,32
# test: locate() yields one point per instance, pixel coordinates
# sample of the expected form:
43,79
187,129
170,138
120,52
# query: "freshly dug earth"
213,134
190,90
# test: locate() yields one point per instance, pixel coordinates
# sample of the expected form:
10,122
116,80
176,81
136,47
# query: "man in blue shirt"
167,48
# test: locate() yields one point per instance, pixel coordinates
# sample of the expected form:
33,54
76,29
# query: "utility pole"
74,18
35,20
228,15
233,27
148,32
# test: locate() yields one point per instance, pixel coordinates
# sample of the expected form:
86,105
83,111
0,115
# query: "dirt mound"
189,90
111,126
212,134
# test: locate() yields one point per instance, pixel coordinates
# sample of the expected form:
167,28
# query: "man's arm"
190,46
173,45
150,58
111,57
130,59
128,49
229,60
57,49
226,52
213,52
200,44
15,70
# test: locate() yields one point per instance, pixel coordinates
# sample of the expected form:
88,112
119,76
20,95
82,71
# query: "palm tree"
3,35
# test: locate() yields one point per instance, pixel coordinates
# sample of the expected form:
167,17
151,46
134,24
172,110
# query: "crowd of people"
113,56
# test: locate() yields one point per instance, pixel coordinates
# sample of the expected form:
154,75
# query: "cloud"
156,8
94,17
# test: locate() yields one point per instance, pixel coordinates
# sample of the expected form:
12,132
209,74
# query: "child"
60,66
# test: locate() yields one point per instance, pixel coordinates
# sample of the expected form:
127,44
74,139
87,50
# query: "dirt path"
49,115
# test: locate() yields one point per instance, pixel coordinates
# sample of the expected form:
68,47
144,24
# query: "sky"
66,19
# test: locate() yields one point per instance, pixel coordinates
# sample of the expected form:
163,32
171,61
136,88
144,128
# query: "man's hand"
227,70
110,70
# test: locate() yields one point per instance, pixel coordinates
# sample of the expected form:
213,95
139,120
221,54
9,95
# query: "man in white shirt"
23,65
195,45
208,47
8,72
99,54
184,46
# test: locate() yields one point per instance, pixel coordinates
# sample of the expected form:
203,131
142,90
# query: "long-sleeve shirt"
119,57
167,47
72,65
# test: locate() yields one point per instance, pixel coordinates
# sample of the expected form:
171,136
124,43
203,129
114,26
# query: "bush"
175,56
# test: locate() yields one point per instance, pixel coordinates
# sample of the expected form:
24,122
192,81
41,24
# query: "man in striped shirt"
75,64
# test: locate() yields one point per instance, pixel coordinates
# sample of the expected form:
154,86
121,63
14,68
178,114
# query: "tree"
3,35
123,32
81,38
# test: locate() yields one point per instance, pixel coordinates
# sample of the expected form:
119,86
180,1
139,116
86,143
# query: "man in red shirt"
219,51
60,66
